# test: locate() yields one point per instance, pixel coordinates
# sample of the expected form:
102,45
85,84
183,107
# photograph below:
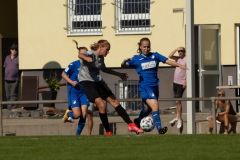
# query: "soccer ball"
147,124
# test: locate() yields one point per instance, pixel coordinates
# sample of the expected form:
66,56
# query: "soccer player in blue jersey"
77,100
146,65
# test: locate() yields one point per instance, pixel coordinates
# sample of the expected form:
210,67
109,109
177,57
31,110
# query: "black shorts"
178,90
95,90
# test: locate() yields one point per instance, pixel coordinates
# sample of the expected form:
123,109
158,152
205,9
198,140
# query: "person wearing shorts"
179,82
96,89
77,100
146,65
226,115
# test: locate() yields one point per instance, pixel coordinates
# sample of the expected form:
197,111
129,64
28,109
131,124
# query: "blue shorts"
149,93
77,99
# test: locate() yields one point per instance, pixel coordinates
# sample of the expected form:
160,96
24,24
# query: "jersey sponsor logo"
66,69
148,65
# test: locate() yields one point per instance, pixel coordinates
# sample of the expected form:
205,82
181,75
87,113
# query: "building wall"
42,37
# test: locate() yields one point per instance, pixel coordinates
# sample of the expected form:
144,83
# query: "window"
133,16
129,90
85,17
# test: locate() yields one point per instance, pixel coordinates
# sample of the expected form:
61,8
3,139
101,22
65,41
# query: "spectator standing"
11,65
179,82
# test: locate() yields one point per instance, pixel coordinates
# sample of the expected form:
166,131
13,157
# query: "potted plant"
54,85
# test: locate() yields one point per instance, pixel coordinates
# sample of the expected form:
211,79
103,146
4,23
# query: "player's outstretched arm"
84,57
123,64
123,76
173,63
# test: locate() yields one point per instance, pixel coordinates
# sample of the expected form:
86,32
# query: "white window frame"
72,17
120,16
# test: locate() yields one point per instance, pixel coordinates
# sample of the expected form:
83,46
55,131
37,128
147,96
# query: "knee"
101,107
76,115
114,102
225,116
90,115
178,102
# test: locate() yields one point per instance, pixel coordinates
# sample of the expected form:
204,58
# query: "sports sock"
70,114
104,119
143,114
157,120
121,112
81,124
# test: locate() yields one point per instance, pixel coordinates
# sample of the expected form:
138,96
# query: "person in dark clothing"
11,78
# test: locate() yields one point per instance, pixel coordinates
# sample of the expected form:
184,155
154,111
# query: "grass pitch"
120,147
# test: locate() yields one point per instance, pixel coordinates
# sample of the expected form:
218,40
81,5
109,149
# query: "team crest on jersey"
148,65
74,101
66,69
153,56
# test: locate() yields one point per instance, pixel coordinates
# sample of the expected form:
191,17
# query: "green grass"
120,147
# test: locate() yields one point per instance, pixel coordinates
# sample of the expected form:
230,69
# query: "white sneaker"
173,121
209,117
218,121
70,120
179,125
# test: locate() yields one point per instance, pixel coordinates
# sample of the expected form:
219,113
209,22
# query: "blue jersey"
72,71
76,95
147,68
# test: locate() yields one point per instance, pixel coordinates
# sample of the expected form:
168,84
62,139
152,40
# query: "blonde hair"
101,42
221,91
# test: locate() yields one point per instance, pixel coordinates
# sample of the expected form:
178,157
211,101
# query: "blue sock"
157,120
81,124
143,114
70,114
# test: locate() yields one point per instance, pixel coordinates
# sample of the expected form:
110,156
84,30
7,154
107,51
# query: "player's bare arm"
123,64
66,78
84,57
123,76
173,63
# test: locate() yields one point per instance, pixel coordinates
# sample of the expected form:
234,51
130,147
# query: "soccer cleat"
179,125
65,116
137,122
109,133
133,128
173,121
163,130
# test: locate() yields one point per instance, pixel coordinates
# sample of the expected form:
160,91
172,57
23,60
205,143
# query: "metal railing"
212,99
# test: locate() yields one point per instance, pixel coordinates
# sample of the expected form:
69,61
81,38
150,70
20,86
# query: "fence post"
214,115
1,124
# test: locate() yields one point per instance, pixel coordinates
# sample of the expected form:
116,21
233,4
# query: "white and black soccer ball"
147,124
